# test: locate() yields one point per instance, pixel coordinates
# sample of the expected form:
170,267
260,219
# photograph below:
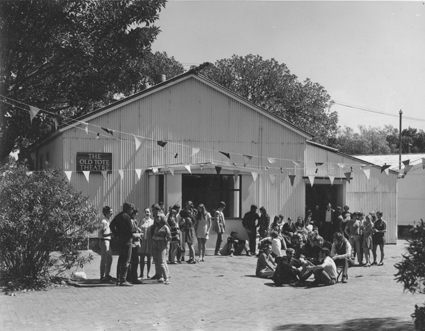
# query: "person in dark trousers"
250,223
121,227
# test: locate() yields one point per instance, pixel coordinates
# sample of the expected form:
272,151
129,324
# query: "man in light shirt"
324,273
104,236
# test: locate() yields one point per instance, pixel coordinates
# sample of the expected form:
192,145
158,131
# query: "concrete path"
219,294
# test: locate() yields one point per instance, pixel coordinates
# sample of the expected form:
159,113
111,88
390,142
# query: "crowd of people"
289,252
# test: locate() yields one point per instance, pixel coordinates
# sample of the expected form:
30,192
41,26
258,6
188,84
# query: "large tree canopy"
69,57
271,86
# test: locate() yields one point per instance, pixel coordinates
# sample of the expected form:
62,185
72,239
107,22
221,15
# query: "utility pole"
399,140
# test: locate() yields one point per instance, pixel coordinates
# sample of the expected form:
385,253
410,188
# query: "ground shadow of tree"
375,324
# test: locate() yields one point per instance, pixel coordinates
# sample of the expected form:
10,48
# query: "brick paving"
221,293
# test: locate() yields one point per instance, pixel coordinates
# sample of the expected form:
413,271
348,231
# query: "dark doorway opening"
322,194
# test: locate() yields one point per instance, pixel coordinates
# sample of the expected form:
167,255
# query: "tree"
270,85
411,270
44,223
371,140
66,57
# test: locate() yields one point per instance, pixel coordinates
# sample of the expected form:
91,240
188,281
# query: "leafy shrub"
43,224
411,270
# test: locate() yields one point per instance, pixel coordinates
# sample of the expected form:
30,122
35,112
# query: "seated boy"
236,245
286,270
324,273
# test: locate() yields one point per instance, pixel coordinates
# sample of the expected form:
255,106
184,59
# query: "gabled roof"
393,159
174,80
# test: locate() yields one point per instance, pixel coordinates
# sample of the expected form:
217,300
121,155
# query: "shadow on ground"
375,324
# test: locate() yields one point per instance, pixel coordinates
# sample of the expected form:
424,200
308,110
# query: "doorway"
322,194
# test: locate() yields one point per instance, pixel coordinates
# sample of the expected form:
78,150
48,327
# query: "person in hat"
122,227
324,273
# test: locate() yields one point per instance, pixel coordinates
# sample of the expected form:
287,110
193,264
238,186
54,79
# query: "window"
211,189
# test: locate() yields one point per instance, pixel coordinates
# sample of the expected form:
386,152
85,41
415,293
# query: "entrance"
322,194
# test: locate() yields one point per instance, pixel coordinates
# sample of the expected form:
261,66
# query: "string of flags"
138,142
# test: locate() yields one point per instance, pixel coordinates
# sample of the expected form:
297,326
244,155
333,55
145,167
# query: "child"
175,236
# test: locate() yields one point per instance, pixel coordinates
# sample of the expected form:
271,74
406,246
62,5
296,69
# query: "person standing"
353,232
367,243
134,262
219,226
145,250
175,235
160,239
188,212
327,224
263,223
104,236
378,237
203,225
250,223
121,226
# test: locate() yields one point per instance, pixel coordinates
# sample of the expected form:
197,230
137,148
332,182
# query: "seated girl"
265,263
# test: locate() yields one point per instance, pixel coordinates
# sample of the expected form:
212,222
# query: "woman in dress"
203,225
367,244
145,250
160,239
378,237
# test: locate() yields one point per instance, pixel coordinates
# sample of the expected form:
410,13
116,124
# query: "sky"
368,55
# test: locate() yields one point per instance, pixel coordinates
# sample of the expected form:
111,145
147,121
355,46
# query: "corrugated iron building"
198,119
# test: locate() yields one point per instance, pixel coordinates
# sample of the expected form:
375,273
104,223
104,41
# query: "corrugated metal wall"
189,114
361,194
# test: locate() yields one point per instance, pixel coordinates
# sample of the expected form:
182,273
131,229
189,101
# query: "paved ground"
217,295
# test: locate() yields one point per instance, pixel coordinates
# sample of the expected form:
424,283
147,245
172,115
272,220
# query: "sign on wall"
94,162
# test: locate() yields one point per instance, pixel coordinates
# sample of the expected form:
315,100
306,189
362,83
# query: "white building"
202,126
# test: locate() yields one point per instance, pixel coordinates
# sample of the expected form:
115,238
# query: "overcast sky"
366,54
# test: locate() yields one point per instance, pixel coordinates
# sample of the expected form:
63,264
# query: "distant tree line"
376,140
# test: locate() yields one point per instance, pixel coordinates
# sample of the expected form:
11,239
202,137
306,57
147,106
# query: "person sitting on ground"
236,245
341,254
324,273
288,230
276,246
277,227
286,270
265,263
297,244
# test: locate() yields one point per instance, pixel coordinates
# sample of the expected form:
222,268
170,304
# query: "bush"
43,224
411,270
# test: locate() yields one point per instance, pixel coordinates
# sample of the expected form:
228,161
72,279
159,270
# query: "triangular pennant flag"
292,177
137,142
121,172
311,179
195,151
111,132
98,135
236,175
331,178
406,163
318,164
29,173
367,173
341,165
187,166
155,170
423,163
104,173
317,169
138,173
348,176
266,168
87,175
33,112
218,169
171,171
161,143
281,170
254,176
387,171
246,159
235,164
56,122
407,169
175,156
225,154
384,167
297,164
86,128
68,175
271,160
272,178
